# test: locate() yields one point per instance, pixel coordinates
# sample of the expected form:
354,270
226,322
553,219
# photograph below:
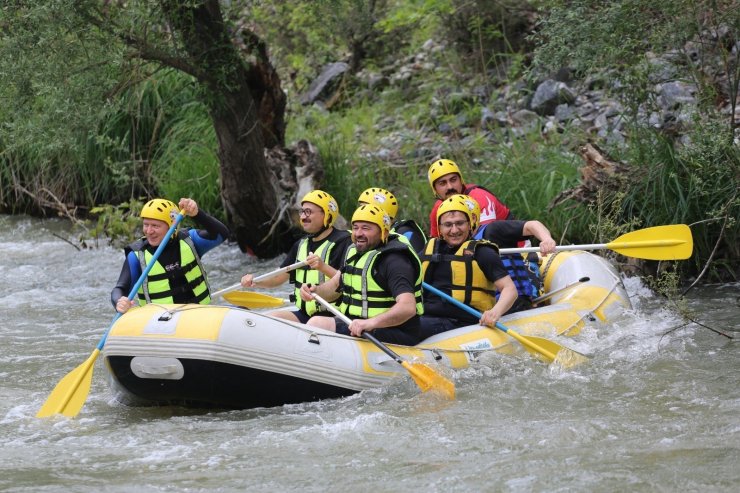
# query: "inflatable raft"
211,356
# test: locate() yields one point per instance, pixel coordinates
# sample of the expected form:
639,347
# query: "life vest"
362,296
524,273
306,275
408,229
158,285
460,273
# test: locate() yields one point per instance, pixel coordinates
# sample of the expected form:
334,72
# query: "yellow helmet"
440,168
382,198
461,203
161,209
327,204
373,214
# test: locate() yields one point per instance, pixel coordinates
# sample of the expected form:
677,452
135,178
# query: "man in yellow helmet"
388,202
446,180
323,248
468,270
178,275
379,286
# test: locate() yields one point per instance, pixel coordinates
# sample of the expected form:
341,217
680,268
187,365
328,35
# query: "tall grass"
696,184
153,139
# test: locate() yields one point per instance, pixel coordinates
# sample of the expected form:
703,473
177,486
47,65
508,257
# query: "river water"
656,409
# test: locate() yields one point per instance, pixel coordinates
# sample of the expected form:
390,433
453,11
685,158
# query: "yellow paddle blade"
672,242
428,379
567,358
550,351
249,299
70,394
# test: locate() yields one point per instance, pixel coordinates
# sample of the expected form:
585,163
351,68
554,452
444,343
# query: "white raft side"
597,302
267,343
603,297
157,336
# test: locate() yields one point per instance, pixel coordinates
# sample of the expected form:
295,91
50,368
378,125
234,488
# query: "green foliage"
186,164
697,185
53,87
118,225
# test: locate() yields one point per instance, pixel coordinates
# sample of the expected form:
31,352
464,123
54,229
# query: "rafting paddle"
270,274
672,242
548,349
70,394
424,376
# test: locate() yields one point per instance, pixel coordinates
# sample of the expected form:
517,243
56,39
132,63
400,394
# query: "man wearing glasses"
323,248
469,270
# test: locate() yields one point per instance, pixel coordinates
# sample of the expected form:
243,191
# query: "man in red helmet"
446,180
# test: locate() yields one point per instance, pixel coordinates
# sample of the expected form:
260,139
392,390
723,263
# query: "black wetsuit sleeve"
212,227
123,286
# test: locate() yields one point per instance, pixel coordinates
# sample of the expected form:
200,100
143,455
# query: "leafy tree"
64,44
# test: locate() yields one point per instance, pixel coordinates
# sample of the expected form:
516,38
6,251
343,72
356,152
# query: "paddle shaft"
424,376
597,246
529,343
275,272
366,335
69,387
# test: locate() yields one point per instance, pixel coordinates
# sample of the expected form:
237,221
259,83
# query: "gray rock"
549,95
322,87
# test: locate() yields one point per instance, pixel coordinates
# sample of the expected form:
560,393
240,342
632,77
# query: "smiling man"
469,270
178,275
322,248
446,180
379,286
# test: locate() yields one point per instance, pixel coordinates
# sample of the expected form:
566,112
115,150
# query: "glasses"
306,212
450,224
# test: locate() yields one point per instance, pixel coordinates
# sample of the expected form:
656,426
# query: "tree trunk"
247,106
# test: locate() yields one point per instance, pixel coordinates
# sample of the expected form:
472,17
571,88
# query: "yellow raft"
230,357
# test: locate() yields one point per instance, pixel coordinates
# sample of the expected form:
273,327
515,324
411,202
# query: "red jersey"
491,208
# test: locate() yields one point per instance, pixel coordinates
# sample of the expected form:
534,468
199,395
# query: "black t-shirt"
505,234
395,273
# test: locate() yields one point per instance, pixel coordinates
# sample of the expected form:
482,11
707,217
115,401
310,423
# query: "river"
656,409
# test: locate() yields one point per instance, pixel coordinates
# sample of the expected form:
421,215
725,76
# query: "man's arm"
403,310
539,231
508,295
327,290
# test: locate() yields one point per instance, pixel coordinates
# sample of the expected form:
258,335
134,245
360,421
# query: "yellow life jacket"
306,275
459,273
157,287
362,296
